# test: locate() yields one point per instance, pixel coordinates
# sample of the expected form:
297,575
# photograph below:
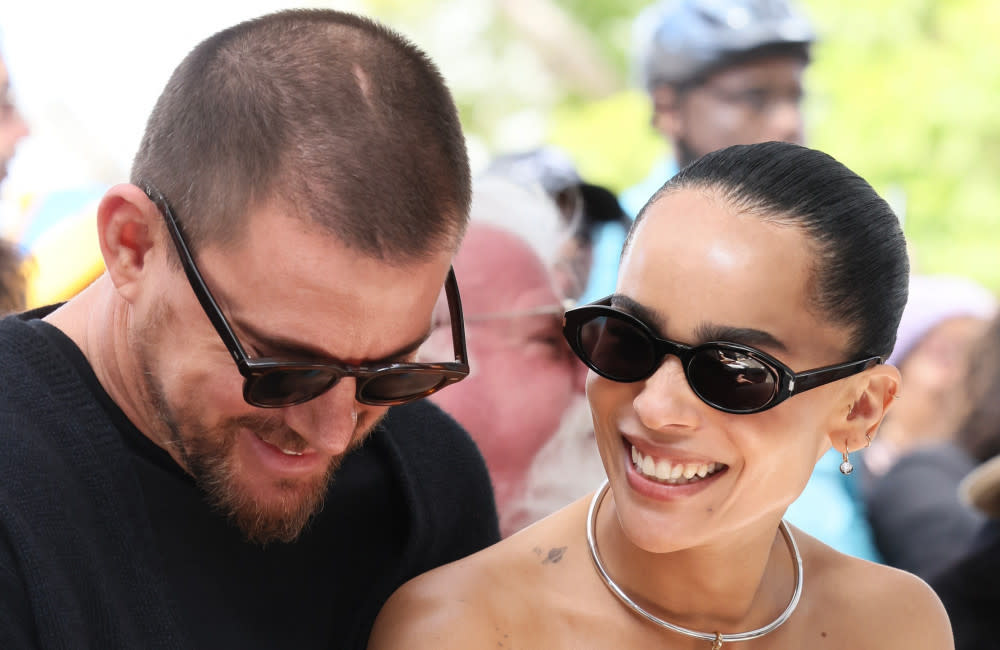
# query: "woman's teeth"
679,473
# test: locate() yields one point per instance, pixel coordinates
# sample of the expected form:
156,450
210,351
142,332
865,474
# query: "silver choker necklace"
717,638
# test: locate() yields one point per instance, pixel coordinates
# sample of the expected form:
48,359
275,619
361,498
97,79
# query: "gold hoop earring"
846,467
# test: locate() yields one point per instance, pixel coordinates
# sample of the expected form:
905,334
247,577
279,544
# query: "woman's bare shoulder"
882,606
487,597
422,614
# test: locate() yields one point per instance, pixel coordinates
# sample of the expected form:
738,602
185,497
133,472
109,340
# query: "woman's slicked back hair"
861,269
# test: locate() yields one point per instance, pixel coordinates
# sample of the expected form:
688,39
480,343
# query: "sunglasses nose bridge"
665,348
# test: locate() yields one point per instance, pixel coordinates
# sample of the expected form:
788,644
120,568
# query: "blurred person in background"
57,230
718,73
523,377
520,251
914,465
944,317
565,469
12,281
583,207
55,252
970,586
13,129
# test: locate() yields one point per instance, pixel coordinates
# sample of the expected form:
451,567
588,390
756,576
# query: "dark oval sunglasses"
729,377
273,383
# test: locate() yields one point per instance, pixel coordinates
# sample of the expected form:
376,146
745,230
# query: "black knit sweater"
105,543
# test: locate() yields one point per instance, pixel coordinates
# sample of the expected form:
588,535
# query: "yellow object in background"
58,236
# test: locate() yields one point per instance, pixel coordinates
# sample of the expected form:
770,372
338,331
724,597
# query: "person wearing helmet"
723,72
718,73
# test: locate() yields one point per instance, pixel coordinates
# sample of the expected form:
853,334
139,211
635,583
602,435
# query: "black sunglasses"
273,383
727,376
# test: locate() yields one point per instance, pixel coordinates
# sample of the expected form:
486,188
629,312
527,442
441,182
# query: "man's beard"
208,454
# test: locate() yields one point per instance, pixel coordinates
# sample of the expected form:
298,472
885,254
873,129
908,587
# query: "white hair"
564,470
525,211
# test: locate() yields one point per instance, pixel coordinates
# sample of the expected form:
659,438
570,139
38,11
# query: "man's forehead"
502,283
295,281
770,68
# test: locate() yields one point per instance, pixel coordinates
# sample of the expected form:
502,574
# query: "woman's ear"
873,392
127,223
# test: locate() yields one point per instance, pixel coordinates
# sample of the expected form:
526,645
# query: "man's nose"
327,422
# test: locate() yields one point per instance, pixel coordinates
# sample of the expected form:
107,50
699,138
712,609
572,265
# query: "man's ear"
666,111
873,392
127,226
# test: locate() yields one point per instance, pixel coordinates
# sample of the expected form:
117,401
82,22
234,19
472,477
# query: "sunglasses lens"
288,386
616,348
398,387
731,379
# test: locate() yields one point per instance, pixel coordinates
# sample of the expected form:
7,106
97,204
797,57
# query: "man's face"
12,125
523,374
758,101
289,290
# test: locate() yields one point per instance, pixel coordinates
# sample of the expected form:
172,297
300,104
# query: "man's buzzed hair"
329,115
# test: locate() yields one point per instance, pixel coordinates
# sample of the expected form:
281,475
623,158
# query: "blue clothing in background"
610,237
831,509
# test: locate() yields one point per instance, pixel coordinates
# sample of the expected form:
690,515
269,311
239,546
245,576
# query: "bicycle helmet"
680,42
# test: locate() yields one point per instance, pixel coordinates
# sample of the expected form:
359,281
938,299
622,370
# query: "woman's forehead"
695,231
694,260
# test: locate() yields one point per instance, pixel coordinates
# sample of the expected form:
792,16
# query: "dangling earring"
846,467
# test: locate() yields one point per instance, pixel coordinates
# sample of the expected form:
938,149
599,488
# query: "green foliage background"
902,91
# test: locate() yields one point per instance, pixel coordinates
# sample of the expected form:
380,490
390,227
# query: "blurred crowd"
924,497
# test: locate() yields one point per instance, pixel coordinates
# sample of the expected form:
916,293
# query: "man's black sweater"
106,543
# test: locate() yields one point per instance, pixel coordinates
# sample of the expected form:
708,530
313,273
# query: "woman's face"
698,271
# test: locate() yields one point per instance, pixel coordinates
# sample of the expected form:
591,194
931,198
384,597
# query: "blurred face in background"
930,403
746,103
523,374
12,124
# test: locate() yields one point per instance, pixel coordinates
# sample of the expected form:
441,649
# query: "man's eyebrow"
279,346
706,331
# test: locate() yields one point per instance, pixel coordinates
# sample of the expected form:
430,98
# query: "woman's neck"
729,586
